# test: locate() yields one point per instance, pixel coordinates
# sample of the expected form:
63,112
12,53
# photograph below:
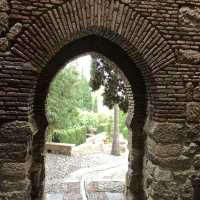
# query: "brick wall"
155,43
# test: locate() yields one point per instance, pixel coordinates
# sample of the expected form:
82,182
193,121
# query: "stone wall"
59,148
156,45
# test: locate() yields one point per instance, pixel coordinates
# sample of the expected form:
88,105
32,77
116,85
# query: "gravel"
59,167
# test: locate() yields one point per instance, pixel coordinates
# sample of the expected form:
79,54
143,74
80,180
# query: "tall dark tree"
104,73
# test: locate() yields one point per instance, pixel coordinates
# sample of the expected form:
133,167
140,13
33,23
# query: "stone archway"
165,85
101,45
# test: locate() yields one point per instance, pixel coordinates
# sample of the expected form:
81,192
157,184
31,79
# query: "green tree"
68,93
63,100
103,73
85,96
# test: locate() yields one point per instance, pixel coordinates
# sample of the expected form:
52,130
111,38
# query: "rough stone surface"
14,31
165,133
188,56
4,5
190,16
4,44
193,112
4,22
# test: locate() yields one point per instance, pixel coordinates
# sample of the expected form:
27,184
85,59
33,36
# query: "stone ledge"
60,148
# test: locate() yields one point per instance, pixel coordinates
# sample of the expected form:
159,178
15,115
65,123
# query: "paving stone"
55,196
114,196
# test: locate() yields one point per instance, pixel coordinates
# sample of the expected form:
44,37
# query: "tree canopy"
103,73
68,92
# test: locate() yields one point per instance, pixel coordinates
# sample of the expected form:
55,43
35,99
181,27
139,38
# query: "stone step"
114,196
63,196
105,196
55,196
106,186
97,196
96,190
71,196
91,196
72,187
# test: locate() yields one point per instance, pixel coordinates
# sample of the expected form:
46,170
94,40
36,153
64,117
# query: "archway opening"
87,140
135,120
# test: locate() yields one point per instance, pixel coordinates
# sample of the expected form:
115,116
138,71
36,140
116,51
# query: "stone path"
90,174
64,175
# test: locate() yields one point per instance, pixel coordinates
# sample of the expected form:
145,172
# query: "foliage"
68,94
94,120
123,127
103,73
63,100
94,104
88,119
76,135
85,96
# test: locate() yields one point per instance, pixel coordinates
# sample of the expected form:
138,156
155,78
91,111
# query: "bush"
94,120
88,119
123,127
76,135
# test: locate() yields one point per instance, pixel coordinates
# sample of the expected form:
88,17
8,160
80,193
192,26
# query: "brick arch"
113,20
137,107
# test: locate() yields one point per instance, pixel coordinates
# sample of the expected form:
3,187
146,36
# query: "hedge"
71,136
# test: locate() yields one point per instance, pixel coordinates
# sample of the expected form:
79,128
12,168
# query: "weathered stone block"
165,132
190,16
187,191
164,190
59,148
4,6
191,149
16,131
14,152
188,56
14,31
193,112
162,175
4,44
10,186
197,162
164,150
15,195
4,22
182,175
14,171
175,163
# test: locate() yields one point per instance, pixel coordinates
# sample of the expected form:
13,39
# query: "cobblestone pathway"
64,176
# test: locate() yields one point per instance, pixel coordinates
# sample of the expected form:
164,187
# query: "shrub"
94,120
123,127
76,135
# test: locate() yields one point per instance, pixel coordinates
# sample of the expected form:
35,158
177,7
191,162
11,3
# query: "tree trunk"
115,144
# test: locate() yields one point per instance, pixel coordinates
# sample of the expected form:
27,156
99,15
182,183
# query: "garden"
75,101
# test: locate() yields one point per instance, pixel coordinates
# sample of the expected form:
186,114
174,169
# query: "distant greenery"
69,92
123,127
72,111
74,135
95,120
